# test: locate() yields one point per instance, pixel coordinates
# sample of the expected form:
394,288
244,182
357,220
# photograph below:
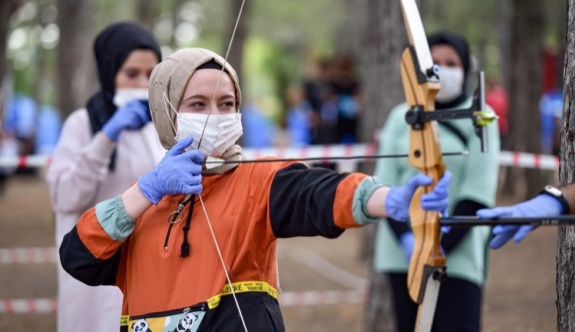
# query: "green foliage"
282,35
269,70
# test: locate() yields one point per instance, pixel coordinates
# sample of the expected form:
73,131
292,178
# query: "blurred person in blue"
315,88
103,149
551,106
21,120
8,145
260,131
473,187
298,118
47,131
348,91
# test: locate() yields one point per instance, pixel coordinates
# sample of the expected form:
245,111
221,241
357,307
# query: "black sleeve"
466,207
301,202
79,262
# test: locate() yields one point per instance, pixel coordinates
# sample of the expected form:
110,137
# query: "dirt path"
520,295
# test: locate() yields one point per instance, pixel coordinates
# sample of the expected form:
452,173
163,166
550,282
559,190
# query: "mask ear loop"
166,103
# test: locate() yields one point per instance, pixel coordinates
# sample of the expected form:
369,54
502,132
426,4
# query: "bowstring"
220,256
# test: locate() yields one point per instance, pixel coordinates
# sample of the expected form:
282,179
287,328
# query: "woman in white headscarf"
194,245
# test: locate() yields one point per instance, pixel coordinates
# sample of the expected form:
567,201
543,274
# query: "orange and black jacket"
249,208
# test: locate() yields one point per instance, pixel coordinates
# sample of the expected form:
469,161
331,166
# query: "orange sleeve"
94,237
342,207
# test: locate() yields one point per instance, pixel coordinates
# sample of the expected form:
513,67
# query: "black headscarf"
111,48
462,48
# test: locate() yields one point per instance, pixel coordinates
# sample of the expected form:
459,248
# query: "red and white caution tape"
506,158
27,306
48,305
528,160
28,255
31,161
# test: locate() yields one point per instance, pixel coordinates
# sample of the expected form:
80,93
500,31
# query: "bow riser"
425,155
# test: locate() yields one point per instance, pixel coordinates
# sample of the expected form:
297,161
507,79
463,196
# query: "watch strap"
557,194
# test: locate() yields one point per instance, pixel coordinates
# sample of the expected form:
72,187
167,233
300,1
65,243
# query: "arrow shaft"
472,221
381,156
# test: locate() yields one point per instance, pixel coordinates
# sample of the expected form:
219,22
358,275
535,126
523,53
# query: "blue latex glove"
134,115
407,242
540,206
179,172
398,198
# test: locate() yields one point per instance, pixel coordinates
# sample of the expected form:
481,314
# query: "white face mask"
451,80
124,96
221,132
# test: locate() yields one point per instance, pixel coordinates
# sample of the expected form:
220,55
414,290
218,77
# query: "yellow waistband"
239,287
243,287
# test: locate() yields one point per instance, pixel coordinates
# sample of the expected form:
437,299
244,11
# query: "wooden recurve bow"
420,79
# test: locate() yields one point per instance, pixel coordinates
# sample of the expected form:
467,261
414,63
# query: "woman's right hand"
179,172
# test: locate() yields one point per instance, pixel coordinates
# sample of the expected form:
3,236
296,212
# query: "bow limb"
421,83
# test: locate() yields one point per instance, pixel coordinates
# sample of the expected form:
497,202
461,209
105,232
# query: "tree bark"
379,310
7,8
504,33
176,7
147,12
526,88
75,61
565,245
385,40
236,49
5,13
41,81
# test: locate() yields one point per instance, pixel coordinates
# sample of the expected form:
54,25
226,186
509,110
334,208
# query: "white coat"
78,178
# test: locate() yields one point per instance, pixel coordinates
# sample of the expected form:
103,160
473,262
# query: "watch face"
553,191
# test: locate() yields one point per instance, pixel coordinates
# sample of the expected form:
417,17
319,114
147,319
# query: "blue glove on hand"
540,206
407,241
398,198
134,115
179,172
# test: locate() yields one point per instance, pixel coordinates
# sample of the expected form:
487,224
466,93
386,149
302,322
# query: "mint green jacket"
474,178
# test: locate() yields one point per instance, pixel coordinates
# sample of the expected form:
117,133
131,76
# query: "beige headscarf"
170,77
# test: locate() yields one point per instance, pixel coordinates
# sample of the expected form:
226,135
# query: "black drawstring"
185,250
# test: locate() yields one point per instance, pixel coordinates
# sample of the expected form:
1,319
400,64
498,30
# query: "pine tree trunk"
565,244
385,39
526,89
75,59
7,8
236,55
147,12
